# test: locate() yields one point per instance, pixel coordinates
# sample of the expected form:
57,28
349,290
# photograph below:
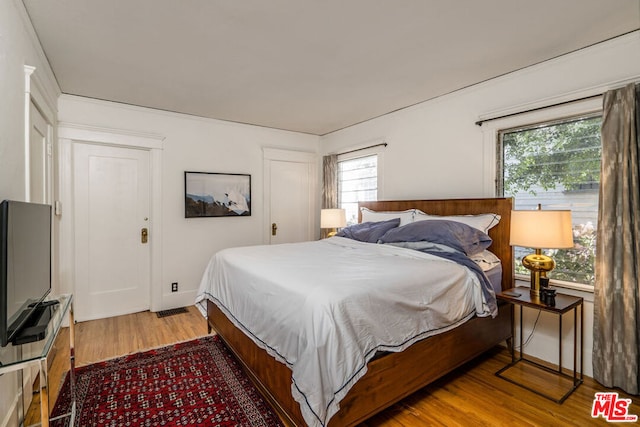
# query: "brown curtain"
616,328
329,185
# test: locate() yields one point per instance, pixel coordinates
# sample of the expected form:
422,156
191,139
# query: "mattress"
325,308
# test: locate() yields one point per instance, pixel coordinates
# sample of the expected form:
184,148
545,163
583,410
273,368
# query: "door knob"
274,229
144,235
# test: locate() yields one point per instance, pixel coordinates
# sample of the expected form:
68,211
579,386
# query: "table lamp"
540,229
333,219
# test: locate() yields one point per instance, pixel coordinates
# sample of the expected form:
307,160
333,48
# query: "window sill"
560,284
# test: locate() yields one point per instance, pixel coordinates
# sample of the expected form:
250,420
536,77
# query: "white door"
39,155
290,201
111,209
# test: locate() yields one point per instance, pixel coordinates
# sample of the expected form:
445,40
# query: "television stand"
38,353
35,329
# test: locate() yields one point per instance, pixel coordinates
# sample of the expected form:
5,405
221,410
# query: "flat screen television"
25,263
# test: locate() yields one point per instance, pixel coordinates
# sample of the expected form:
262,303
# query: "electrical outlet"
174,287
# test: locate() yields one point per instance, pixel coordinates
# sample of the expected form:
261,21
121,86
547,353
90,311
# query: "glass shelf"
35,354
10,357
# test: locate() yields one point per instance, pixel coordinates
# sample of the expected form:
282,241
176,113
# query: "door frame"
35,93
308,158
70,133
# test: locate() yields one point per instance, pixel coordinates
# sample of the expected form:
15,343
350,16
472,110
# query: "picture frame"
213,194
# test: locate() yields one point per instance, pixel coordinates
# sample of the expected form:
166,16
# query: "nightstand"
521,297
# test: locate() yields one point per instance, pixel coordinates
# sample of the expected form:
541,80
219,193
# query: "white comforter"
325,307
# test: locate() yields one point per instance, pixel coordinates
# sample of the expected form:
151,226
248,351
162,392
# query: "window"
556,164
357,181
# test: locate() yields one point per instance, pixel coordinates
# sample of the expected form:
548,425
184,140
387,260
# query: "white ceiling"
304,65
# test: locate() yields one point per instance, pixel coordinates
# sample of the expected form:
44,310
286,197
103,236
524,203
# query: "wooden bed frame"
393,376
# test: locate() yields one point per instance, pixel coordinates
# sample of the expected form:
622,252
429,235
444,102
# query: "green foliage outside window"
555,161
566,154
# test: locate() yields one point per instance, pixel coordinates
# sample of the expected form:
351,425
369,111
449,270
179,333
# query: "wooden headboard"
500,233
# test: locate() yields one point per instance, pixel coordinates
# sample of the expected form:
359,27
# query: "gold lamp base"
332,233
539,265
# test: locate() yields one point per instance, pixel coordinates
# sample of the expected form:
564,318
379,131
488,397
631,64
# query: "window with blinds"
557,165
357,181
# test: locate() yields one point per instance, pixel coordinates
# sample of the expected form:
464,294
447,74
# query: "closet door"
290,207
290,196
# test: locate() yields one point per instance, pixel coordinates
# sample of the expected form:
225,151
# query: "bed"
384,380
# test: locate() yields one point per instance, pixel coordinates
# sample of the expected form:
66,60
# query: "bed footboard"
386,381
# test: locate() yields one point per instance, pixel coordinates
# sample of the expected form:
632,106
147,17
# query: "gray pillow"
369,232
454,234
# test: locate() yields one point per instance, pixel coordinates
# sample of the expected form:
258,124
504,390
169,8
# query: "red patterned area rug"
196,383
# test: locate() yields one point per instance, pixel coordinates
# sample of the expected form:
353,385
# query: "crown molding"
103,135
46,79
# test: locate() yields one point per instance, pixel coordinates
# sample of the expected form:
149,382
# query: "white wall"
437,151
192,144
18,47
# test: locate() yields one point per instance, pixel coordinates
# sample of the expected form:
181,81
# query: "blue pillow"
454,234
369,232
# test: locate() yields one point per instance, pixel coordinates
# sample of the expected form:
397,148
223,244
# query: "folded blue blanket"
460,258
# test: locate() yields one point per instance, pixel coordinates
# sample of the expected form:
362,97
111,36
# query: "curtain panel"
616,329
329,185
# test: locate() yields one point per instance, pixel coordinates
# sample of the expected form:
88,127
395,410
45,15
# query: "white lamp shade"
333,218
541,229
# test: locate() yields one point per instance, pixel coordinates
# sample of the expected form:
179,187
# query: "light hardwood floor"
472,395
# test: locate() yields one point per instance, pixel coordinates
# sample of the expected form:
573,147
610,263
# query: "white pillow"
368,215
482,222
486,260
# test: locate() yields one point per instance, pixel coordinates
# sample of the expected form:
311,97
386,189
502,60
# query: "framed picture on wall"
210,194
